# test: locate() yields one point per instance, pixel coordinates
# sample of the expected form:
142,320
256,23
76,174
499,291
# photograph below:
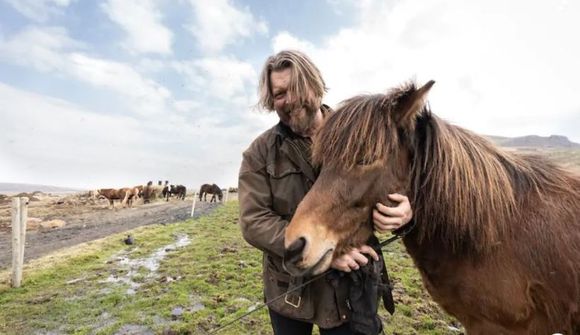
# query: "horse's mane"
463,189
339,142
469,189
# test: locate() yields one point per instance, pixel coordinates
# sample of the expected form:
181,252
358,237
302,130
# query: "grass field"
185,278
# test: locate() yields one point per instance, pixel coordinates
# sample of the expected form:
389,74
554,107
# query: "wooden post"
19,218
193,205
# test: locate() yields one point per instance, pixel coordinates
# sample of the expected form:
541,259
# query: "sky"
115,93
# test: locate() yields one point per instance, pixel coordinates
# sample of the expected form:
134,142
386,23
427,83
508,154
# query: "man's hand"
354,259
387,219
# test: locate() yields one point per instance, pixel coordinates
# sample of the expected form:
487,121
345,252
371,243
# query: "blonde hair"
306,83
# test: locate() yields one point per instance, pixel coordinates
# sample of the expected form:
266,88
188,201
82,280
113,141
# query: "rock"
176,313
129,240
33,223
52,224
229,250
167,279
74,281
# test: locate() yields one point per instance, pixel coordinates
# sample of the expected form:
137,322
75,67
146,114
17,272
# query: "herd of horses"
149,192
495,234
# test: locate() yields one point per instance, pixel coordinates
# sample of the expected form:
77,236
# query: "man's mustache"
294,110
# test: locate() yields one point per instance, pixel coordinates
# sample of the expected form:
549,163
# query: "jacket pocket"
293,305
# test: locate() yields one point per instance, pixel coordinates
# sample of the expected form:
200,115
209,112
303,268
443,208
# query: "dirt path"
95,224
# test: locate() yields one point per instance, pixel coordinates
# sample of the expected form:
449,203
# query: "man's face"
299,118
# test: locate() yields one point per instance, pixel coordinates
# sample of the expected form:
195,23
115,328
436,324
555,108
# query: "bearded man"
275,175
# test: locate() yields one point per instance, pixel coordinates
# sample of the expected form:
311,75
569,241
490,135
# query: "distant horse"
151,192
179,190
139,190
211,189
165,192
124,194
131,194
496,236
147,192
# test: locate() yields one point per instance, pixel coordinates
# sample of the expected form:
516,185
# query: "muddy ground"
86,219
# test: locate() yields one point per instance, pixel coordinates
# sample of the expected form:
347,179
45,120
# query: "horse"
211,189
178,190
151,191
124,194
495,235
131,193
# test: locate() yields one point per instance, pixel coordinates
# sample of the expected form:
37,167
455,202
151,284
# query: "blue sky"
118,92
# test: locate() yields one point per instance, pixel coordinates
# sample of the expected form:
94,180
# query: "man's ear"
410,104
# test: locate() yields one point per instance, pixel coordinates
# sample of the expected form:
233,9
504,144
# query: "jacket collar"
290,148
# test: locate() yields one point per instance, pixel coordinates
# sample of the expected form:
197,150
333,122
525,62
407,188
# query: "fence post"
19,218
227,194
193,205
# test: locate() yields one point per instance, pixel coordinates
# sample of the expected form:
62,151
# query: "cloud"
39,10
141,20
495,79
222,77
226,78
218,24
45,137
51,50
51,141
284,40
41,48
147,96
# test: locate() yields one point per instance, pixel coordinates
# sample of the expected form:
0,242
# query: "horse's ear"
411,104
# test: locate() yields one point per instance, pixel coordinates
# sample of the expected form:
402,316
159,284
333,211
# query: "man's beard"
301,120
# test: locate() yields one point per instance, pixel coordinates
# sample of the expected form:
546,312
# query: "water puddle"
196,304
131,268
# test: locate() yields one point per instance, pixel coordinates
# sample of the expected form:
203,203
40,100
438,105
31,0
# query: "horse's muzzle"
293,254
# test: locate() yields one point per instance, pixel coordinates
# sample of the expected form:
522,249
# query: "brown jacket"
274,177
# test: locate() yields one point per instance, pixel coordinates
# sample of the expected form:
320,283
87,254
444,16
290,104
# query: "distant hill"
535,141
10,188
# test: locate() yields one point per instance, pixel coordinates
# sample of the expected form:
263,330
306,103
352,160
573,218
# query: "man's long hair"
306,83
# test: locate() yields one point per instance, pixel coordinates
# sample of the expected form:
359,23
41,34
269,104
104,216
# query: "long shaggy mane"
464,189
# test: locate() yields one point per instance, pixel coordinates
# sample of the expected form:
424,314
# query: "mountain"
28,188
535,141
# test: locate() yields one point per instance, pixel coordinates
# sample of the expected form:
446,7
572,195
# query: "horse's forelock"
338,143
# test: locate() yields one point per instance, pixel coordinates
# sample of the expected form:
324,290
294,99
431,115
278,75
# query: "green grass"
213,279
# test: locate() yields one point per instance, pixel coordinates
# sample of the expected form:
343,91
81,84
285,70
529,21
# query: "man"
275,175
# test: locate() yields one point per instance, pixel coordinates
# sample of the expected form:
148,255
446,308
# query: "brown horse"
124,194
211,189
496,236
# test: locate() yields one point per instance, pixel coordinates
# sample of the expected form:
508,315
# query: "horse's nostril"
294,251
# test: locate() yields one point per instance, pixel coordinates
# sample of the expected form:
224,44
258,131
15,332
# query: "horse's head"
99,194
364,153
